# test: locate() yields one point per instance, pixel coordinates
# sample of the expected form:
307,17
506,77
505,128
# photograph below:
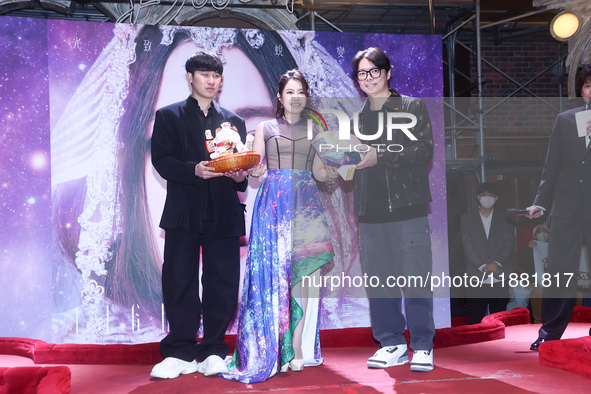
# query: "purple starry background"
417,61
43,62
73,48
25,190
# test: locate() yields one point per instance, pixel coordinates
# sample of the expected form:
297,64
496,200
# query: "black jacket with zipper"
405,174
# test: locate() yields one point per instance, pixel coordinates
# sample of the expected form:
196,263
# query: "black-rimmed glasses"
374,72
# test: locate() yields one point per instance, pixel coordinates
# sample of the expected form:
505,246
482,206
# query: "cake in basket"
221,150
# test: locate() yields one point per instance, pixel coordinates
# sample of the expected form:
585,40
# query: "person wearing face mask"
488,246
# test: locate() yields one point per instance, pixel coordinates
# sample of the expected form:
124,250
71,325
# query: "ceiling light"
564,26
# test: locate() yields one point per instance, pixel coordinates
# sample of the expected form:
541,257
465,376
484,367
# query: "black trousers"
564,253
180,288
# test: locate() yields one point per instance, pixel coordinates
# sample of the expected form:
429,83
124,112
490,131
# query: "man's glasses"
374,72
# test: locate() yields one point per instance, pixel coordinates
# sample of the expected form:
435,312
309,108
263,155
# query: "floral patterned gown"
289,240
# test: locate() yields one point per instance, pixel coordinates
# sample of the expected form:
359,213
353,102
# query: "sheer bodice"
287,145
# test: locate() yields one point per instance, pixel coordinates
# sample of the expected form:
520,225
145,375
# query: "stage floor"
502,366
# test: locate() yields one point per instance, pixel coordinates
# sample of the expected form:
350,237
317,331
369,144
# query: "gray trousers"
395,254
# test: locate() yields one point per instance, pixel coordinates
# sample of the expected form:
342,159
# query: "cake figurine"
226,139
227,152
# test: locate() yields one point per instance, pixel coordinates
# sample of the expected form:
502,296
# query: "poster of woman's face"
81,247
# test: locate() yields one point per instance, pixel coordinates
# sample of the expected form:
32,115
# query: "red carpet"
503,365
491,328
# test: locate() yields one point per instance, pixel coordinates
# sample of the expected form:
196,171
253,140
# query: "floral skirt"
289,240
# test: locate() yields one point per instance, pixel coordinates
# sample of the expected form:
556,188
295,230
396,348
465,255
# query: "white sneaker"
389,356
212,365
422,361
172,367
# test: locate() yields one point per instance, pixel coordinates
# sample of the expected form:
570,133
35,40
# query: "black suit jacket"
565,187
196,204
479,250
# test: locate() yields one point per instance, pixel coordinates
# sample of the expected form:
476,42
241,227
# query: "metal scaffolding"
459,121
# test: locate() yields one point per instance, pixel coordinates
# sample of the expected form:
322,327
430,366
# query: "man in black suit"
203,213
565,189
488,242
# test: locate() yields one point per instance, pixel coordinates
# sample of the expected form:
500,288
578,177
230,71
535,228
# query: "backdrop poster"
25,190
101,245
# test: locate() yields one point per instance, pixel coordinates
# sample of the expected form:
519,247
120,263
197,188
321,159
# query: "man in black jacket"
391,200
202,213
488,241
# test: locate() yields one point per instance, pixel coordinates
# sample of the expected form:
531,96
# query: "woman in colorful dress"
289,243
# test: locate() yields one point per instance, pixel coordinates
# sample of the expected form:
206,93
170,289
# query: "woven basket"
235,161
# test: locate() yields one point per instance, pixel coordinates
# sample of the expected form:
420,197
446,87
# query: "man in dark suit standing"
565,189
488,242
203,213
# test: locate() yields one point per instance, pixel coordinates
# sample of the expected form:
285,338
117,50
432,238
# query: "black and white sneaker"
389,356
422,361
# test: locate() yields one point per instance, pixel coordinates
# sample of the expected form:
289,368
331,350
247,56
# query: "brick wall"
521,62
518,128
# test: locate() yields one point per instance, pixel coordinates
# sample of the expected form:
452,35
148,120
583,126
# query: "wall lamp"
564,26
